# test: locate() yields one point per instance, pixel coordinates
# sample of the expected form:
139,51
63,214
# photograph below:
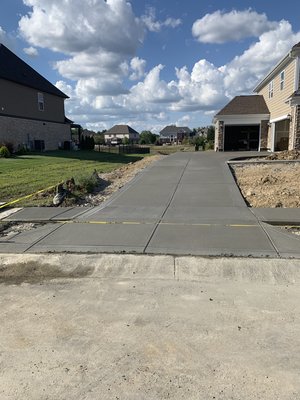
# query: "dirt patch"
270,185
33,272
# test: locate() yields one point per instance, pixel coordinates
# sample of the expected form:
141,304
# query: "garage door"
241,137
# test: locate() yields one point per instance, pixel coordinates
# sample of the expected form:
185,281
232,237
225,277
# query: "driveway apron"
186,203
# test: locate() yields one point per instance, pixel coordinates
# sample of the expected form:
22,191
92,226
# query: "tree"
99,138
211,133
147,137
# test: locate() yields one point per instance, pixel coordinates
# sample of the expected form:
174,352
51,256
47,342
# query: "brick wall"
23,131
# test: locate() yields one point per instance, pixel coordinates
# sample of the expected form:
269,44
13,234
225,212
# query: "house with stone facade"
32,112
268,120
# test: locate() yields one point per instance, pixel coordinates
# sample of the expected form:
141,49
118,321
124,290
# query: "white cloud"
137,66
98,36
244,71
154,25
2,35
76,26
6,39
220,27
31,51
102,62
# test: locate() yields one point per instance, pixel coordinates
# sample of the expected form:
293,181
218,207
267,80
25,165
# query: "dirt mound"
269,185
285,155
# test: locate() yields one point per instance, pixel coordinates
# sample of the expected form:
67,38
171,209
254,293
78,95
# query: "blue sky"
149,63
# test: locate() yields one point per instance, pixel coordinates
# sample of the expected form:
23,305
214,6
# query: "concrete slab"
5,213
125,213
193,195
219,215
278,215
85,237
20,242
146,195
42,213
287,244
93,327
208,240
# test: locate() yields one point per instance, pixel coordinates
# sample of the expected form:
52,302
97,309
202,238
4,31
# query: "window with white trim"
282,77
41,104
271,89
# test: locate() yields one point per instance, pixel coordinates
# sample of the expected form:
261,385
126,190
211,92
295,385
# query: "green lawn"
23,175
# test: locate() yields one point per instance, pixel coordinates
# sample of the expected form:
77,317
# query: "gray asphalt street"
185,204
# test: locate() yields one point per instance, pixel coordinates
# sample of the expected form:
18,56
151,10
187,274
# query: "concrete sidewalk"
187,203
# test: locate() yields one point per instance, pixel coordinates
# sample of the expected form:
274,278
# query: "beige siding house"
118,133
31,108
281,95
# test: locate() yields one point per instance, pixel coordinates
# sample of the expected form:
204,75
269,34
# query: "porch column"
263,146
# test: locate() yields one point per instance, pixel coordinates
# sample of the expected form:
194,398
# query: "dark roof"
296,46
243,105
12,68
121,130
174,130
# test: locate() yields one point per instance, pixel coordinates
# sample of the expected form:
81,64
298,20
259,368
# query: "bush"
88,183
9,146
21,151
4,152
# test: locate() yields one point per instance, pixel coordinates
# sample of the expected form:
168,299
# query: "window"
282,76
271,89
41,104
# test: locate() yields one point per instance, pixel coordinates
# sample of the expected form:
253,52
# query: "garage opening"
241,138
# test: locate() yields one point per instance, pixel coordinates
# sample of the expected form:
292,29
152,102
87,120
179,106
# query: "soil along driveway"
187,203
266,183
139,327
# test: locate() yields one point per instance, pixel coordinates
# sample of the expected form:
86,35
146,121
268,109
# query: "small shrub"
4,152
88,183
9,146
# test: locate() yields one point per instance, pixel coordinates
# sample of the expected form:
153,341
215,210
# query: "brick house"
269,120
174,134
118,133
32,110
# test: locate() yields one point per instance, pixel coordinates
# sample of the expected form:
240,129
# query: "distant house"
269,120
174,134
118,133
32,110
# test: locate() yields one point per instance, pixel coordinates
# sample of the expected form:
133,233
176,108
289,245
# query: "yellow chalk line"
151,223
26,197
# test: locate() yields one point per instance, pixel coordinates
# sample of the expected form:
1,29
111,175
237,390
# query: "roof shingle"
12,68
121,129
243,105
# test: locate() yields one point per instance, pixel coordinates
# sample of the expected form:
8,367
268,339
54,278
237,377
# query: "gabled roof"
174,130
13,69
243,105
120,130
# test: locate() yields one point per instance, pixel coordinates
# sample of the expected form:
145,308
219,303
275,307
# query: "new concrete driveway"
187,203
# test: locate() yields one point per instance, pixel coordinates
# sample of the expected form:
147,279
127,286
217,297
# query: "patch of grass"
26,174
